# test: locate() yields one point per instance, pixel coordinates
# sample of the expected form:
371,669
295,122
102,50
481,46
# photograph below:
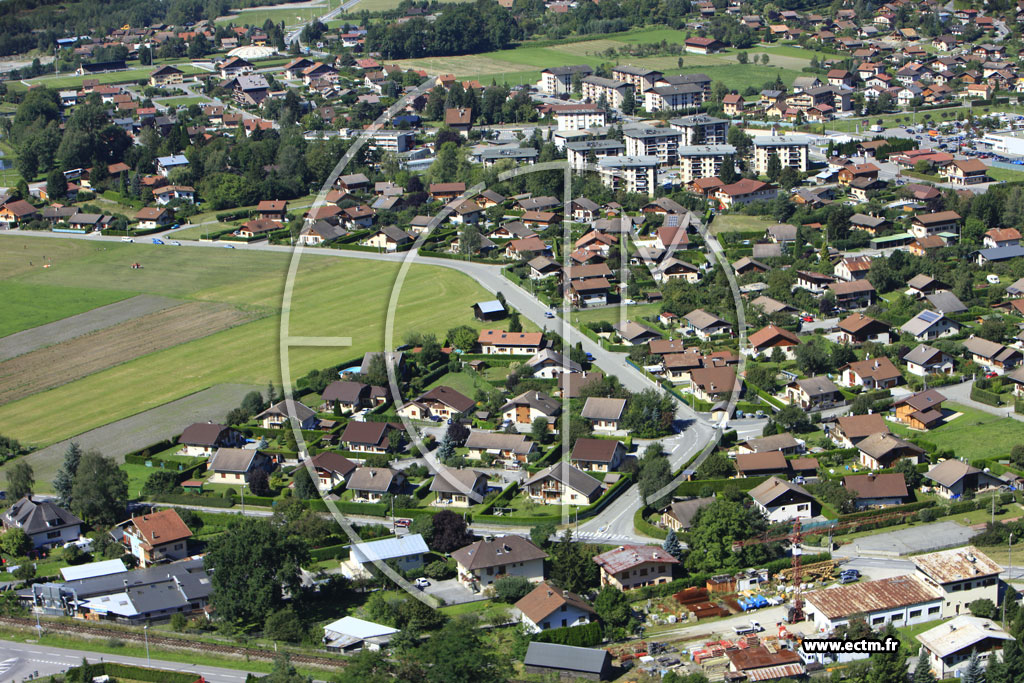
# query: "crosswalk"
8,664
602,538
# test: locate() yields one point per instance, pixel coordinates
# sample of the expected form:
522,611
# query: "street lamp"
145,632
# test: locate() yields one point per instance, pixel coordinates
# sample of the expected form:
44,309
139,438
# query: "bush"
985,396
586,635
926,515
440,570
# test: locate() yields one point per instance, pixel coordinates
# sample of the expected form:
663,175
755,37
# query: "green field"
974,434
28,305
132,75
612,314
291,16
938,116
376,6
333,297
737,222
522,65
1006,175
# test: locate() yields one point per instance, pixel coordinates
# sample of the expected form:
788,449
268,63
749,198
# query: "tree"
974,672
450,532
715,528
65,477
510,589
764,59
514,323
983,607
539,429
15,542
672,545
612,606
812,357
654,475
56,185
424,526
259,482
742,57
629,102
541,534
20,480
728,174
377,372
886,666
716,466
455,654
923,670
469,240
572,566
789,178
774,167
100,491
649,414
462,337
252,567
284,624
303,486
913,478
253,403
160,481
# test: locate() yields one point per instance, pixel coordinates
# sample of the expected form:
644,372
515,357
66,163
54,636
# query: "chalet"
881,450
765,463
389,238
156,537
202,439
852,295
368,437
965,172
705,325
815,393
45,523
151,217
858,328
853,268
924,225
510,448
332,469
871,373
992,356
816,283
921,411
784,442
925,360
547,606
510,343
237,465
530,406
371,484
766,340
635,566
479,564
458,487
279,415
953,478
713,383
443,402
877,490
597,455
928,325
562,484
1001,237
852,429
632,333
782,501
604,414
921,286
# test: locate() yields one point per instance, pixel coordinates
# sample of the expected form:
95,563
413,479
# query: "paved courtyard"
916,539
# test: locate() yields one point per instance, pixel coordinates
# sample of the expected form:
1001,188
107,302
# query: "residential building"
562,484
951,645
877,490
370,484
479,564
852,295
765,341
202,439
782,501
367,437
636,174
784,442
881,450
547,607
871,373
236,465
594,88
557,80
458,487
790,149
635,566
714,384
332,469
705,325
569,117
702,161
510,448
279,415
744,191
604,414
408,552
597,455
928,325
921,411
640,78
156,538
992,356
701,129
815,393
761,464
679,515
849,430
858,328
529,406
953,478
45,524
510,343
927,224
673,97
441,401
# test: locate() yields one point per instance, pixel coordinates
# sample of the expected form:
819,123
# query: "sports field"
523,64
333,297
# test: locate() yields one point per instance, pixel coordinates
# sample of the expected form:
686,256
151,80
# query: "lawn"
1005,175
30,305
291,16
131,75
737,222
182,101
333,297
376,6
466,383
938,116
612,314
974,434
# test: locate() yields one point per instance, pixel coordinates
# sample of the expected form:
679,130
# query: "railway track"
90,631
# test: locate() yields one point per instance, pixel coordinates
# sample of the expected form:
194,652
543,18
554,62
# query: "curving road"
615,523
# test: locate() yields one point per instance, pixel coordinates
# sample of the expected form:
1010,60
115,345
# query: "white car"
628,302
422,583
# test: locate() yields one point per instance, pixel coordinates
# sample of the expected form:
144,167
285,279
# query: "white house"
549,607
480,564
781,501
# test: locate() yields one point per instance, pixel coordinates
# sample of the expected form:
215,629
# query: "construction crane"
795,538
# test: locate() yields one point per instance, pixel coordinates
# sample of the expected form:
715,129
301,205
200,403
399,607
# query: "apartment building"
629,173
639,77
594,87
577,152
702,161
701,129
558,79
650,141
673,97
578,116
791,150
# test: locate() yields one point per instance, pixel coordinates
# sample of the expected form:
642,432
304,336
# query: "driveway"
452,592
961,393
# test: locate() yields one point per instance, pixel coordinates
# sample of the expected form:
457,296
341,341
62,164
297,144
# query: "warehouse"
901,600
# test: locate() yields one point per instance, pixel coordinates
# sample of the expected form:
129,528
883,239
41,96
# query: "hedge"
188,499
586,635
909,507
693,488
641,525
985,396
129,672
330,552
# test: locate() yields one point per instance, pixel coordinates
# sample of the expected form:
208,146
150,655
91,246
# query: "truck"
753,627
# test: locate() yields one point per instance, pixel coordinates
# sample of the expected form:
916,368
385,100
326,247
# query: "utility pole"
145,631
1009,574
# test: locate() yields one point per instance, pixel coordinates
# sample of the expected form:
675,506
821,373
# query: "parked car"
403,522
126,238
549,314
229,246
422,583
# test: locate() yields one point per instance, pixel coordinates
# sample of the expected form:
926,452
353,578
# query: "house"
963,575
571,385
903,600
350,634
165,75
458,487
853,268
370,484
152,217
921,411
389,238
562,484
714,383
784,442
568,661
367,437
733,105
744,191
634,334
259,227
156,538
279,415
529,406
510,343
877,490
871,373
236,465
168,193
928,325
604,414
344,397
45,524
548,363
926,224
782,501
443,402
952,644
511,448
761,464
634,566
815,283
679,515
852,429
851,295
766,340
925,360
1001,237
479,564
986,256
881,450
702,46
332,469
320,232
235,66
597,455
992,356
953,478
204,438
706,325
408,552
814,393
548,607
459,119
858,328
966,172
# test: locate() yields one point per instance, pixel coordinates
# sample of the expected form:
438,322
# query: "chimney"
565,594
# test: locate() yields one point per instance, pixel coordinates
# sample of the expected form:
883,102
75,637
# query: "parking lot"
452,592
913,540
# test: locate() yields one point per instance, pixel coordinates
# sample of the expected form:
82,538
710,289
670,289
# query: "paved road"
961,393
20,660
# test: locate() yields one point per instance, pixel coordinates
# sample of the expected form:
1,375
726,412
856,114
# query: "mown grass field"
1006,175
333,297
974,434
182,101
737,222
133,74
376,6
291,16
522,65
27,305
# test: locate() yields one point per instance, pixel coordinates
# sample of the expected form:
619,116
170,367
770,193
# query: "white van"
126,238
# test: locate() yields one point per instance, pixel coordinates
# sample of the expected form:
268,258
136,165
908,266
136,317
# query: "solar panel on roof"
929,316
